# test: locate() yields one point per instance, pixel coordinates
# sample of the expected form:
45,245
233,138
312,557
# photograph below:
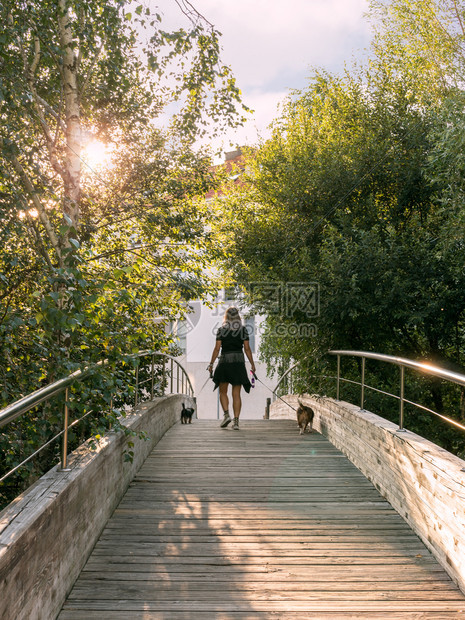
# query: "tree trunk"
72,180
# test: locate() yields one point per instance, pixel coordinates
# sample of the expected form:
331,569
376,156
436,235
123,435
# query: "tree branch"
453,42
19,280
91,69
38,205
51,111
191,13
29,71
35,62
42,248
2,318
132,250
457,12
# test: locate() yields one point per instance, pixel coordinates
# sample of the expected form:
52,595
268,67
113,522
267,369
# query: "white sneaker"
236,424
226,420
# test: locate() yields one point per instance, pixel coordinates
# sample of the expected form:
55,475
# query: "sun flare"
97,154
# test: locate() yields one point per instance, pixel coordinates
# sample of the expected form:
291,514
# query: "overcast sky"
272,46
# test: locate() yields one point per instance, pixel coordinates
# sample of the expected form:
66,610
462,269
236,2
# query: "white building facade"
197,337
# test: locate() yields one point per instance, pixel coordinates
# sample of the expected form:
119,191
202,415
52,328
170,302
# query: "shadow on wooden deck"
260,523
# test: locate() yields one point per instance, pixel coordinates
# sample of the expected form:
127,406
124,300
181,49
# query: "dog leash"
254,376
269,389
210,377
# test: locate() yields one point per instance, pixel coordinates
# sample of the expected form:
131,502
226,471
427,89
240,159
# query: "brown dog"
305,417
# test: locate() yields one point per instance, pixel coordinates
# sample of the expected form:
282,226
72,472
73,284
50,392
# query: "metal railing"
180,379
401,362
285,380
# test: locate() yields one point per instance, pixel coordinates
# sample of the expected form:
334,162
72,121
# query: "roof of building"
234,164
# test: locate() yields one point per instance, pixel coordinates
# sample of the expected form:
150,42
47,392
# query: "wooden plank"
134,591
273,585
291,574
240,603
263,523
77,614
256,526
234,540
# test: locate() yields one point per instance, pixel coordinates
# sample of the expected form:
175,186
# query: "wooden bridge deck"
260,523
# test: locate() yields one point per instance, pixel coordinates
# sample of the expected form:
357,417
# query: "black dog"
186,414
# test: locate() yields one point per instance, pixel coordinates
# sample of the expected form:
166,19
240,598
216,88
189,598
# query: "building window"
182,335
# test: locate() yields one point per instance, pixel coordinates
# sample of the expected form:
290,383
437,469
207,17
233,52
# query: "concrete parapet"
47,533
424,483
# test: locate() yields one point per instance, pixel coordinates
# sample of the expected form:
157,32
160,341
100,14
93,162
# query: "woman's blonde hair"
232,316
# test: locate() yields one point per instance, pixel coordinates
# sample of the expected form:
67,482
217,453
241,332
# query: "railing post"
153,376
64,448
110,411
163,376
267,409
338,377
137,384
401,428
362,395
171,377
177,379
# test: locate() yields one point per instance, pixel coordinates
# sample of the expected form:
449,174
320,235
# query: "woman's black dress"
231,365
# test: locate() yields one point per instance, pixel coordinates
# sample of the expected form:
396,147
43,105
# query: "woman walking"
233,340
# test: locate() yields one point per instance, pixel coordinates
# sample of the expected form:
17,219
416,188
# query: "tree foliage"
359,191
87,248
96,257
422,41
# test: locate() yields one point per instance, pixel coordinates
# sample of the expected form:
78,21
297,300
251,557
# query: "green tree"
344,195
422,41
82,242
96,258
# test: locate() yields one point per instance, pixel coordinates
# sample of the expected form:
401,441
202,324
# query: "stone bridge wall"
423,483
47,534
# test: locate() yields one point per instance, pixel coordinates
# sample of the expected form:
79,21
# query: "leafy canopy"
98,257
358,194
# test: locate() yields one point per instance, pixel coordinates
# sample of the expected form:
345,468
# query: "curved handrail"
25,404
436,371
402,363
282,378
173,359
